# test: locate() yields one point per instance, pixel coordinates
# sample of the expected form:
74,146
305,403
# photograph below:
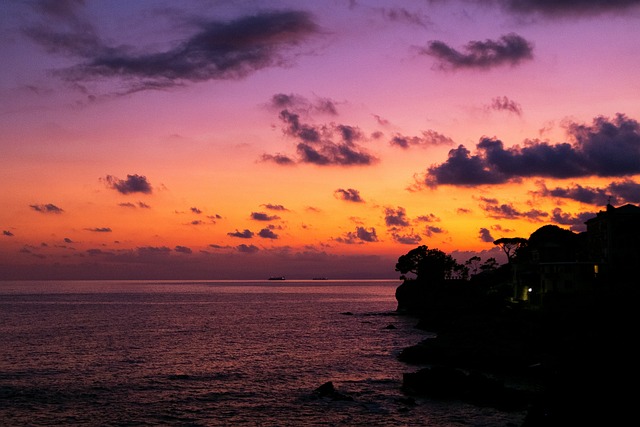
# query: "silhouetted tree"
489,265
429,265
429,292
473,264
441,290
460,271
510,246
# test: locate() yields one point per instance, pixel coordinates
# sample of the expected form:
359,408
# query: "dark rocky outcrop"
507,341
327,390
579,352
441,382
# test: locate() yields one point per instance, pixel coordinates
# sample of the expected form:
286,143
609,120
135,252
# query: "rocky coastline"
568,363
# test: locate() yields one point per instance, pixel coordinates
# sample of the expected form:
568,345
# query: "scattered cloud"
47,208
485,235
326,145
214,246
507,211
407,239
510,49
361,235
68,240
381,120
576,221
396,217
428,218
140,205
7,233
274,207
429,138
431,230
502,103
498,227
183,249
402,15
196,211
491,201
262,216
100,229
279,159
366,235
348,195
246,234
300,104
133,184
267,233
247,249
376,135
608,147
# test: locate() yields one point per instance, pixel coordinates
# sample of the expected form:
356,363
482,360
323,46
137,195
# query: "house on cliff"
558,261
614,243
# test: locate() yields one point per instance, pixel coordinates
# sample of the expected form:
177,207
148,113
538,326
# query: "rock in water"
328,390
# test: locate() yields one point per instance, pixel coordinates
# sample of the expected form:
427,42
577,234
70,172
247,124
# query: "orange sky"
217,141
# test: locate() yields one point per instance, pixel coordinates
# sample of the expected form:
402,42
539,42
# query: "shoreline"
573,356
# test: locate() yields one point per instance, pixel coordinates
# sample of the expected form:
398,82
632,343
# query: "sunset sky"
244,139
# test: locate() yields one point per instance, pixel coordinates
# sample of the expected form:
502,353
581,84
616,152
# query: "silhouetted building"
566,277
553,261
614,243
535,281
558,261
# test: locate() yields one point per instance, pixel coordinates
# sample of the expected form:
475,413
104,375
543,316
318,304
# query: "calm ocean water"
211,353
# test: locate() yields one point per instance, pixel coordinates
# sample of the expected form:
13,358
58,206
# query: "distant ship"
276,278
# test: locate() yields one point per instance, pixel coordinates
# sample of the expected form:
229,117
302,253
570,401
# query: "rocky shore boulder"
328,390
441,382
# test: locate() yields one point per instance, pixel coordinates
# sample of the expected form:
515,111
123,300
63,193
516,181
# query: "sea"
213,353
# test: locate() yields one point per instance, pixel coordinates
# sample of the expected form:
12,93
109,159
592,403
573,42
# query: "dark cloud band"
47,208
217,50
510,49
606,148
568,7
